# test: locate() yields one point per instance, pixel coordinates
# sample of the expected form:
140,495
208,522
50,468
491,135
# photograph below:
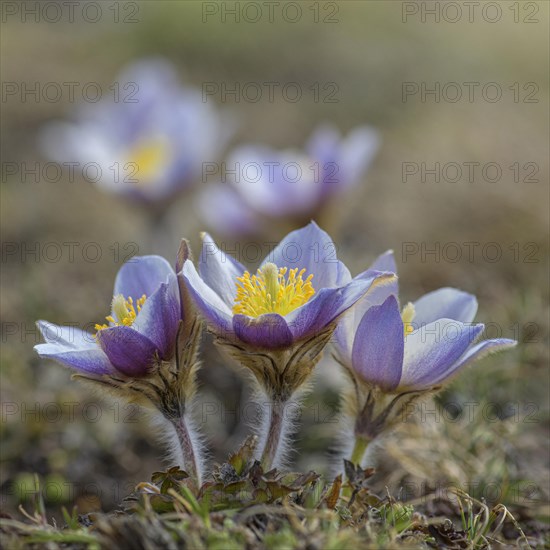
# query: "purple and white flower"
396,355
147,351
141,329
287,184
417,348
298,291
277,322
147,139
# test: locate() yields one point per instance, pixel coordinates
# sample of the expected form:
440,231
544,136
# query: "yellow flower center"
272,291
407,315
124,311
148,158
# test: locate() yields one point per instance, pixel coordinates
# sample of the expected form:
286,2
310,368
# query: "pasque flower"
277,321
140,330
396,354
146,138
286,184
146,351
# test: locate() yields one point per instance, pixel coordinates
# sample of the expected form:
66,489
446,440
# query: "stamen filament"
407,315
272,291
124,311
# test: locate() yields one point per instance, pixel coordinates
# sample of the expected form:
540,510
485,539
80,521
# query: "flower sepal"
167,386
280,373
376,411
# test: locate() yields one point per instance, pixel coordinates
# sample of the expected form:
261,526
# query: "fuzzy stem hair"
186,447
275,430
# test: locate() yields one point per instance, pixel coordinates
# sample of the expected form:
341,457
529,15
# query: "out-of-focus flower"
146,352
147,139
289,184
404,353
277,322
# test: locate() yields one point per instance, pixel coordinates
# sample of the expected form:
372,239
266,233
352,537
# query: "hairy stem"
187,448
276,431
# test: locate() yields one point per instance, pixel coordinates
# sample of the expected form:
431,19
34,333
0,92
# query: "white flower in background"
261,182
147,139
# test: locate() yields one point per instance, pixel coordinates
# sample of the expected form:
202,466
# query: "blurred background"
456,186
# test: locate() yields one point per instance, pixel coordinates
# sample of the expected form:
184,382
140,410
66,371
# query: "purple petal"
475,353
270,189
315,315
325,147
343,275
379,345
445,303
219,270
224,210
310,248
329,303
387,285
431,350
91,361
129,351
350,321
351,155
159,317
347,326
154,75
142,275
73,348
69,337
356,153
323,143
268,331
215,311
385,262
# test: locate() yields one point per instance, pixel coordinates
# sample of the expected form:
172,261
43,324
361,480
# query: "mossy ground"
242,507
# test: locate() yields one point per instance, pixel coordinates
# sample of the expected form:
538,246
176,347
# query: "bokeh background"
91,451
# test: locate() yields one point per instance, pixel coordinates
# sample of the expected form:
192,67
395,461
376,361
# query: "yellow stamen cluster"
407,315
148,159
124,310
271,291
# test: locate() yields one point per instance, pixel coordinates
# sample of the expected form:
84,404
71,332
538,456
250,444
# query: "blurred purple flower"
148,141
299,290
418,348
289,183
142,327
